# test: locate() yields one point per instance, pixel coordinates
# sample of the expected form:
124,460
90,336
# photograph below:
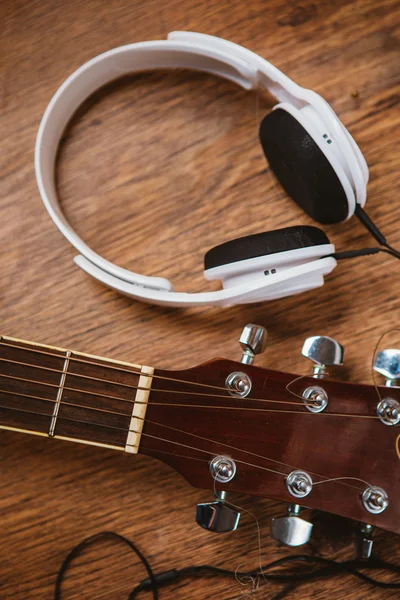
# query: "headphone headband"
181,50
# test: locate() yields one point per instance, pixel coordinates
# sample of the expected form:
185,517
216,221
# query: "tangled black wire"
315,568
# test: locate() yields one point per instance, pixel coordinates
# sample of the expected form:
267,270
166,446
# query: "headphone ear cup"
264,244
304,170
255,256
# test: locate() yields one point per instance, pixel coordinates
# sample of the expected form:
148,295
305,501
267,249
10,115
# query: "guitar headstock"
309,441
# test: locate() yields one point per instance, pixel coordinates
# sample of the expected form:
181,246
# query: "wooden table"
155,170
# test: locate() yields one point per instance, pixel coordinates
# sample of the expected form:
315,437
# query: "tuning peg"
387,363
364,541
324,352
217,516
253,341
291,530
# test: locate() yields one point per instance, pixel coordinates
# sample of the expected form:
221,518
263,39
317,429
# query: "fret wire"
108,366
188,446
171,404
59,394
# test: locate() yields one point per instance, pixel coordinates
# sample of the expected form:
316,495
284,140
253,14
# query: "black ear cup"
263,244
302,168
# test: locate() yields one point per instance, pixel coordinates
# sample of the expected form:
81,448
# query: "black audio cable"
360,252
313,568
374,230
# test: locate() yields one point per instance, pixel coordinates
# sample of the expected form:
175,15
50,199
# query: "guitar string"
141,419
181,405
160,377
337,479
158,451
122,370
128,416
128,371
188,446
195,394
146,435
108,366
153,423
241,450
133,387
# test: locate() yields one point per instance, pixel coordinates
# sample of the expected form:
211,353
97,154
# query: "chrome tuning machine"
253,340
291,529
324,352
217,516
387,364
364,541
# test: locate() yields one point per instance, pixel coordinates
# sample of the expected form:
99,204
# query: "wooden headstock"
269,433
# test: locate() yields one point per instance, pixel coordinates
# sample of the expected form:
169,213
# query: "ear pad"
263,244
302,168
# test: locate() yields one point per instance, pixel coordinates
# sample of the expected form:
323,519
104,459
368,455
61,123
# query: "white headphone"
313,155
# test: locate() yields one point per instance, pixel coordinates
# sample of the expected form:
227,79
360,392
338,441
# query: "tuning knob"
253,341
387,363
364,541
291,530
324,352
217,516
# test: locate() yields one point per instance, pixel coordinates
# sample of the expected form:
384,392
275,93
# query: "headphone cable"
363,252
374,230
315,567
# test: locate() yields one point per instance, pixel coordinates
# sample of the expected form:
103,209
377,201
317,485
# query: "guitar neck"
349,451
67,395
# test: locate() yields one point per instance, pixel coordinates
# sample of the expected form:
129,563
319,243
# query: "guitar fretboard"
68,395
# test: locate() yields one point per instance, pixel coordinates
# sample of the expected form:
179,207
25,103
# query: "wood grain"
155,170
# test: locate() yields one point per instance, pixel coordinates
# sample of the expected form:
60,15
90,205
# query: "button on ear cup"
302,168
264,244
